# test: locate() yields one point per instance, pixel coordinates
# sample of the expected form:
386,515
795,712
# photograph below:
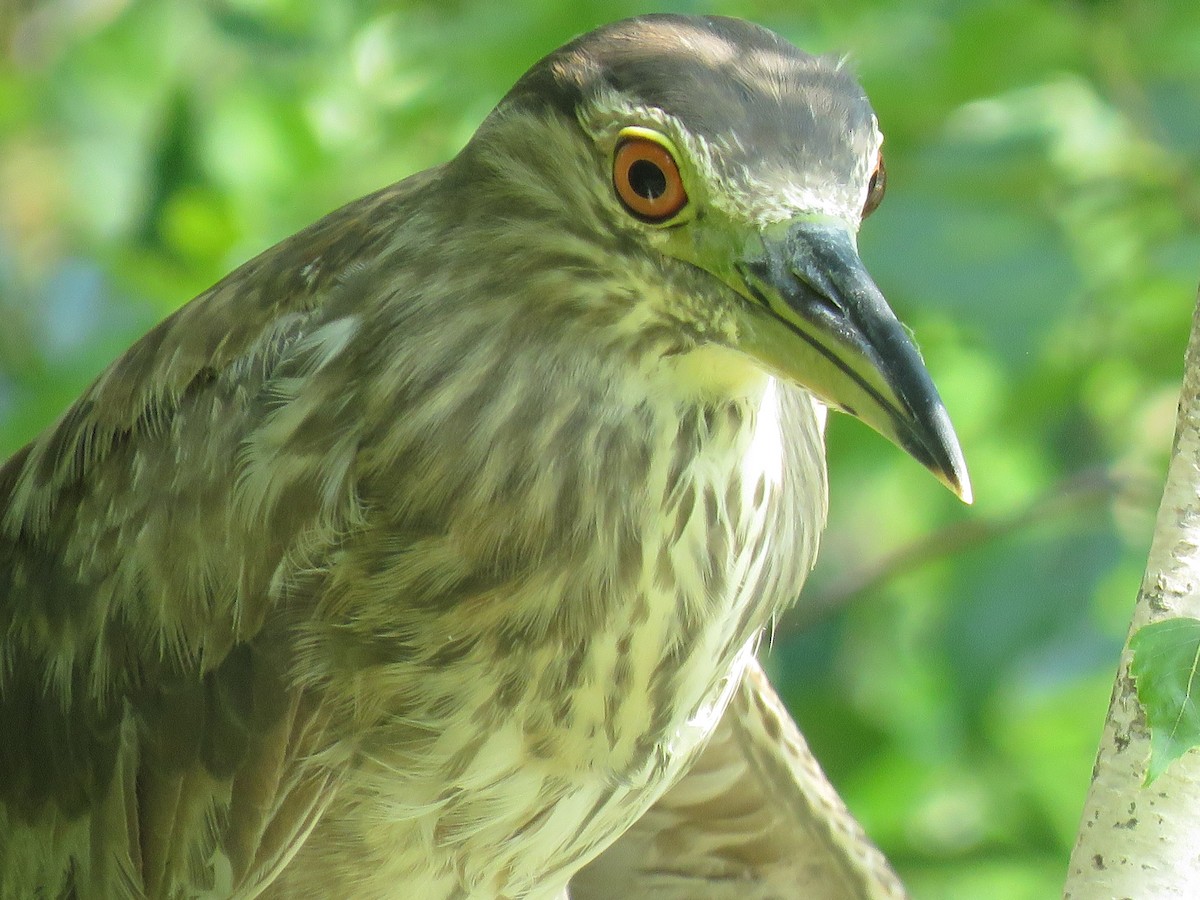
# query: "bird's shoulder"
239,326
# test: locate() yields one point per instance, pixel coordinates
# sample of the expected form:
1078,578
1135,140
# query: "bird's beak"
817,318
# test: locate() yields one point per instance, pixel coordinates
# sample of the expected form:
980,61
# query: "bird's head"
726,174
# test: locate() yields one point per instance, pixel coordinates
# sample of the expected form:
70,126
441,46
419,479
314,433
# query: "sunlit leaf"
1166,666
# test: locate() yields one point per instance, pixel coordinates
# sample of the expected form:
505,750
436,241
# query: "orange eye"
647,180
875,189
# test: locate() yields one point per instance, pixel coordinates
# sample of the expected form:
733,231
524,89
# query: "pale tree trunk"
1135,841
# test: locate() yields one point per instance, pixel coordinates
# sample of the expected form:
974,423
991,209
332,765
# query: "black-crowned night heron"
421,555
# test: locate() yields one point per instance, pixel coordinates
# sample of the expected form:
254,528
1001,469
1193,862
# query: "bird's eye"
875,189
647,179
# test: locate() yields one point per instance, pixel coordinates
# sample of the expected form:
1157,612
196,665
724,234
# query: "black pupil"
647,179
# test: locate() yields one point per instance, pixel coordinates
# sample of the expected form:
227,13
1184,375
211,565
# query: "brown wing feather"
148,723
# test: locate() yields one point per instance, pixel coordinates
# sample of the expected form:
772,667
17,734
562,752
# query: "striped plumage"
752,819
420,555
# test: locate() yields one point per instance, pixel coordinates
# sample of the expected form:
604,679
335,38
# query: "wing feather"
145,701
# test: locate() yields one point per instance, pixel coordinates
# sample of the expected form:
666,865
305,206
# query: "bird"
427,553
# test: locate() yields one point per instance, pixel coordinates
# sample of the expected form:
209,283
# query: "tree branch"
1138,841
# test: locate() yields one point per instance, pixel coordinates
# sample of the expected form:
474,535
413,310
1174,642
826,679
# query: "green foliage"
1041,235
1166,668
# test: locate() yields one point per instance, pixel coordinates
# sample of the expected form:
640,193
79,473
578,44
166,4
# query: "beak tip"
932,440
953,470
960,482
958,478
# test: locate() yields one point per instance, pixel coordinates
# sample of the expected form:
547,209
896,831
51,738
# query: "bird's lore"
422,555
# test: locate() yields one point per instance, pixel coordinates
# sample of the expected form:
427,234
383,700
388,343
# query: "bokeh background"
950,665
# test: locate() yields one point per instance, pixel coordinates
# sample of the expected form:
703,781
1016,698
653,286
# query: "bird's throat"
713,373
